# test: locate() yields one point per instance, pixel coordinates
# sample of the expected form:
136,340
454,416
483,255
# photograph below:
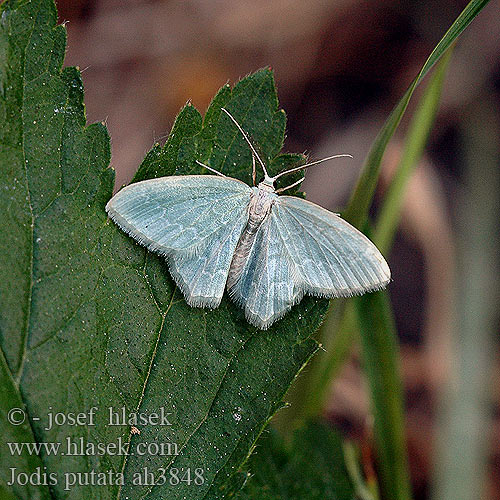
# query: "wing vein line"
321,246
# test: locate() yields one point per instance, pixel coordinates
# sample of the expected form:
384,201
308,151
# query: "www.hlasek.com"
74,447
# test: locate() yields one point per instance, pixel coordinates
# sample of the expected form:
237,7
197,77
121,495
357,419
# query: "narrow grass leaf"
380,357
415,141
320,372
357,209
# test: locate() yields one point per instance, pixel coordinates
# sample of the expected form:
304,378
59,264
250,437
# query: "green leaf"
161,161
10,401
311,468
381,364
90,319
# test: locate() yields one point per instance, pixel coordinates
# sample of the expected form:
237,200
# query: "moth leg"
253,169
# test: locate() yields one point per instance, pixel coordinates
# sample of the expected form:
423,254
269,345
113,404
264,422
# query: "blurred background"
340,66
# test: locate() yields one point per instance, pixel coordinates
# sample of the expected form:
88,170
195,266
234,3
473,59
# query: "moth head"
267,184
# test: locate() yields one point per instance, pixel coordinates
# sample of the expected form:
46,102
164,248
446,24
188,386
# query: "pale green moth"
268,250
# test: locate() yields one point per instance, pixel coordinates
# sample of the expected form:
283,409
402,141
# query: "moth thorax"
260,205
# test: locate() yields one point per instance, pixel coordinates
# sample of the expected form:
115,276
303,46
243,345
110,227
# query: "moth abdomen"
259,208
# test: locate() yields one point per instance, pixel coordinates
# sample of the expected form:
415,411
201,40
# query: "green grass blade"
320,373
357,210
341,318
380,356
416,138
366,488
378,334
379,340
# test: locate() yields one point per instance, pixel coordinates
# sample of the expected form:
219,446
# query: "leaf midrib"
150,368
18,377
32,225
207,413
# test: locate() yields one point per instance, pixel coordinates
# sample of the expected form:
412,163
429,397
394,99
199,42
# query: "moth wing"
178,212
202,277
302,248
194,221
330,258
265,288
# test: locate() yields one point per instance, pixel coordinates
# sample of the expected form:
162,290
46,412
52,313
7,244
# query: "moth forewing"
216,232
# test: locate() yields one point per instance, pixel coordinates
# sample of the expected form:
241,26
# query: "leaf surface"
311,468
90,319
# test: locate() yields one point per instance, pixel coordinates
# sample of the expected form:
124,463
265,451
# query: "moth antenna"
280,190
254,152
307,165
211,169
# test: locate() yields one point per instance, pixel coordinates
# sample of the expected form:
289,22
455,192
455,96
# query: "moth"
267,249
